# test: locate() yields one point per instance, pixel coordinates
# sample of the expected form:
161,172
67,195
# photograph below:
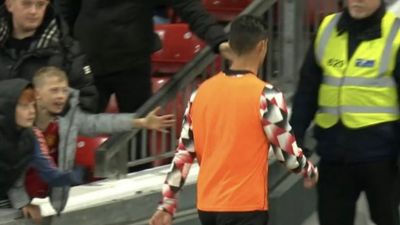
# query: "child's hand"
32,212
160,123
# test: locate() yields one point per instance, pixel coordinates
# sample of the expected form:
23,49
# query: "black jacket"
339,143
50,46
16,145
117,33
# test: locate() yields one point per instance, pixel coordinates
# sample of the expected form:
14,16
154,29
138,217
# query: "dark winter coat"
116,34
51,45
16,145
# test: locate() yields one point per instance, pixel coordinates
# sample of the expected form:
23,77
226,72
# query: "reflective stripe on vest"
359,81
357,109
366,94
326,35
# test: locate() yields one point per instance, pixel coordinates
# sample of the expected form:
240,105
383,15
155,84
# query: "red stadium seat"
225,10
86,150
176,107
180,46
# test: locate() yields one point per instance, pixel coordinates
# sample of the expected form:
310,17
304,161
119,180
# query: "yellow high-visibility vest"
360,90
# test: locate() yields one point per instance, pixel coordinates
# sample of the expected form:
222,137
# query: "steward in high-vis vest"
349,85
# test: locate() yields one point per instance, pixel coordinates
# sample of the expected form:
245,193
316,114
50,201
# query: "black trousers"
132,87
340,186
234,218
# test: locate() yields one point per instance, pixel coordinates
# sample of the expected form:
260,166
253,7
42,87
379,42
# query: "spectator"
118,38
349,85
32,37
19,148
56,103
229,125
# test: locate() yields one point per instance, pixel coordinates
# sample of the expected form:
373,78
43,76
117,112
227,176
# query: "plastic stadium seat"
86,151
176,107
225,10
180,46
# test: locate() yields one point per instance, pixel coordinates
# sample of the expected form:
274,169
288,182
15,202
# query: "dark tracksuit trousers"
234,218
340,186
132,88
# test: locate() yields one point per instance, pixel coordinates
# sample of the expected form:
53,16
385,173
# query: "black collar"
230,72
364,29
